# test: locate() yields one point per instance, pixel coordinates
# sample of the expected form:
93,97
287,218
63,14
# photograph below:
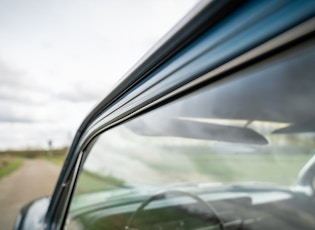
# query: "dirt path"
35,178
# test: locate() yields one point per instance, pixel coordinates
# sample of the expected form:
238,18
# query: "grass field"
12,159
9,164
34,153
55,159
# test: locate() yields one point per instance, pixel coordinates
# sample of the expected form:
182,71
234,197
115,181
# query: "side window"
228,155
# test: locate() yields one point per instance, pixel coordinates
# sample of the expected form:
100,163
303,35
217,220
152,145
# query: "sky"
59,58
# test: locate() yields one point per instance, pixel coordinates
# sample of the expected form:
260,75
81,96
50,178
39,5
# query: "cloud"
17,135
59,58
9,74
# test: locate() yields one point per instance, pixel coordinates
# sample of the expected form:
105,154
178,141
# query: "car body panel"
32,216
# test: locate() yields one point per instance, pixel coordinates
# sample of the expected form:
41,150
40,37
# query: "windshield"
247,136
254,128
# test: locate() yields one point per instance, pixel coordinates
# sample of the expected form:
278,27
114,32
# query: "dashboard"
179,210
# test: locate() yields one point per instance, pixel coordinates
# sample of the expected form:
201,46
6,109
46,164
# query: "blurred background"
57,60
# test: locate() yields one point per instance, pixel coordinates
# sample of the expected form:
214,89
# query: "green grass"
55,159
11,160
55,156
8,165
34,153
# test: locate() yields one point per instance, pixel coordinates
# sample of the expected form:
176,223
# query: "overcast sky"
58,58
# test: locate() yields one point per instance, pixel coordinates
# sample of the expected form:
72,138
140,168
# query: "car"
213,129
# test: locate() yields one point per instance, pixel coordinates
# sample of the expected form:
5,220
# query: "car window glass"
233,151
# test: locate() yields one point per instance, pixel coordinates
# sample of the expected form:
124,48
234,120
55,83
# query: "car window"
230,154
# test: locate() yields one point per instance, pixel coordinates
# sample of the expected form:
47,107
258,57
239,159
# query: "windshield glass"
254,128
247,137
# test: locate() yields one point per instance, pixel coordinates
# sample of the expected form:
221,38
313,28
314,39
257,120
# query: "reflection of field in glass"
91,182
282,169
279,164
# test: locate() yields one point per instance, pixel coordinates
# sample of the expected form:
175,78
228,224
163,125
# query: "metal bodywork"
32,215
198,51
